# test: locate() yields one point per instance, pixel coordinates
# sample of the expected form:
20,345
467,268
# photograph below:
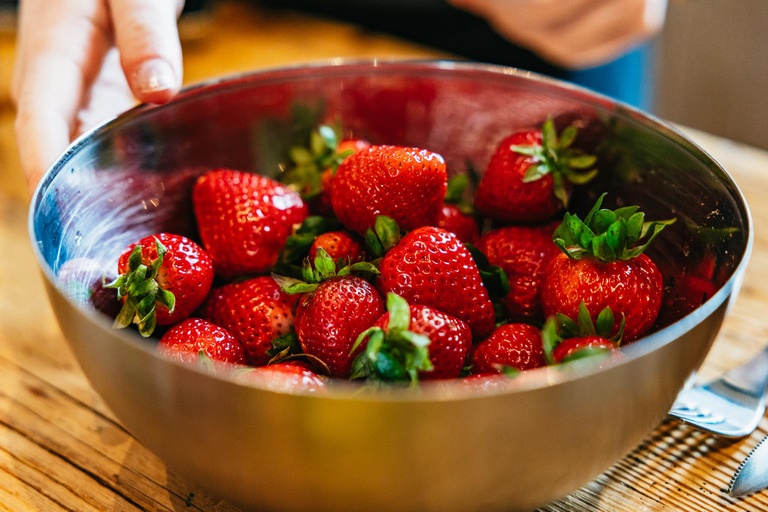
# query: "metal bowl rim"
530,380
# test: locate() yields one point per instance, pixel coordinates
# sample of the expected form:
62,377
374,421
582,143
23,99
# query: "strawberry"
163,279
334,308
463,226
406,184
529,176
411,343
244,220
314,166
255,312
566,340
184,341
602,267
284,377
431,267
523,253
516,346
456,215
338,245
687,293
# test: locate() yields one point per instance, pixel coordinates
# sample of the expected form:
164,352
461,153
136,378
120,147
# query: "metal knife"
752,474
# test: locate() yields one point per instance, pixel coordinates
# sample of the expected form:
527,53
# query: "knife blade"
752,474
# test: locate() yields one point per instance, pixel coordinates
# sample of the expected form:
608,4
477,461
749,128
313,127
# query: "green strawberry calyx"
140,292
455,193
607,235
298,245
384,235
556,157
321,269
560,327
494,278
395,354
309,162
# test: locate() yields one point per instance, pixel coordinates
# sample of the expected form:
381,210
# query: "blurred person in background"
82,61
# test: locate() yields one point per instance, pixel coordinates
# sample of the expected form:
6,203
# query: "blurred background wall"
712,68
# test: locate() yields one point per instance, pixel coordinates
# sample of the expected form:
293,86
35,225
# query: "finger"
150,52
109,96
61,46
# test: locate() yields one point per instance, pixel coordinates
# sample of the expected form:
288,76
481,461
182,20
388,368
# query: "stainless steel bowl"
449,447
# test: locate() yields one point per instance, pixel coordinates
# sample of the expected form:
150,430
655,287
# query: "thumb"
150,53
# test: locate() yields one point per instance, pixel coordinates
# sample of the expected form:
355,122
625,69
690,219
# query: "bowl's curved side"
511,451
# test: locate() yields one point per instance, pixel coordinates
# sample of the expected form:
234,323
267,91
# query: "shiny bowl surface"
450,447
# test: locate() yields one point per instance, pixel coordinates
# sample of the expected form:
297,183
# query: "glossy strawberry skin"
572,345
184,341
186,271
523,253
321,205
502,195
255,312
406,184
688,293
329,320
463,226
449,340
285,377
632,288
244,219
516,345
338,244
431,267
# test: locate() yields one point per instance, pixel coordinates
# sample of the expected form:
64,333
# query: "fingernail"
155,75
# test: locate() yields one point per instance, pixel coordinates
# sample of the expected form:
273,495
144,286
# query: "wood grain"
62,449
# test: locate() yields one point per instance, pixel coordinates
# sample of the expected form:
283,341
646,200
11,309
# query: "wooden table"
62,449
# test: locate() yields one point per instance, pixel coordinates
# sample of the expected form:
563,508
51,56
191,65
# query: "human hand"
572,33
82,61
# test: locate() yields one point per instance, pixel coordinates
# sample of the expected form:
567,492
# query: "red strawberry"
321,204
406,184
338,244
565,339
602,268
517,346
329,320
572,346
688,293
244,220
285,377
523,253
529,175
184,341
255,312
431,267
163,279
414,342
463,226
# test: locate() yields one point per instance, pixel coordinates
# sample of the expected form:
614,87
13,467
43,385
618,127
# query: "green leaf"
387,231
363,335
657,228
135,258
534,151
581,161
586,327
635,227
125,317
580,178
300,155
417,340
616,235
288,341
601,249
550,338
456,187
568,328
601,220
324,265
388,368
595,208
567,137
548,134
581,233
560,192
364,266
535,172
167,299
361,367
399,313
626,212
604,323
481,260
329,137
496,282
373,244
147,324
617,338
204,362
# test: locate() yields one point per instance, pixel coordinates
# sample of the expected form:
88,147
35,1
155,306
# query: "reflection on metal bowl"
500,446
